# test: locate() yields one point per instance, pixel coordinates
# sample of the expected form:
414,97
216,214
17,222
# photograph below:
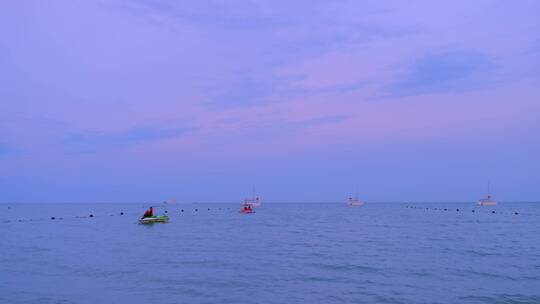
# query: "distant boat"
487,201
246,208
250,203
355,201
253,201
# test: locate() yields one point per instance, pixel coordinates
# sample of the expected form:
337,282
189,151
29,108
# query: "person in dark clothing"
247,208
149,212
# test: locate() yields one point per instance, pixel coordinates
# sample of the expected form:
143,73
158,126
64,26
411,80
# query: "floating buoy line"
93,215
197,211
487,211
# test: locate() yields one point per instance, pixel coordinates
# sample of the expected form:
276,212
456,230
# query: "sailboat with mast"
355,201
487,201
255,200
251,203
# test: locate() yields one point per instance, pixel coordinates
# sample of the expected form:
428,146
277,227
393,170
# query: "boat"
250,203
487,201
154,219
355,201
253,202
246,208
149,217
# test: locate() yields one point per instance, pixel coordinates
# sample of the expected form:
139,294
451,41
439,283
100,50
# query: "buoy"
493,211
208,209
52,217
182,210
445,209
91,215
472,210
166,211
121,213
516,213
196,209
457,209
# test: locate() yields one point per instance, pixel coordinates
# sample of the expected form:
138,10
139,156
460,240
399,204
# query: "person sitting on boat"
247,208
149,212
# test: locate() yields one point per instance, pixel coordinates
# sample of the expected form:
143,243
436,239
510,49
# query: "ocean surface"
284,253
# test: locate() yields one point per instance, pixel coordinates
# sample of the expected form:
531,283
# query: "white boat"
355,201
250,204
253,202
487,201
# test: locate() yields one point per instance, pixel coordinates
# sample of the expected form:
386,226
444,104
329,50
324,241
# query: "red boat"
246,208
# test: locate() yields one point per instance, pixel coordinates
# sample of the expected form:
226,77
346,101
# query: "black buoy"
121,213
493,211
196,209
52,217
457,209
445,209
472,210
182,210
91,215
516,213
208,209
166,211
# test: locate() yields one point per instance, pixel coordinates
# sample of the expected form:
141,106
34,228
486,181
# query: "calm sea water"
284,253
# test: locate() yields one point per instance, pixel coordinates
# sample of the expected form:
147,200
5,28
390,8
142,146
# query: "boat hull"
246,211
355,202
154,219
487,203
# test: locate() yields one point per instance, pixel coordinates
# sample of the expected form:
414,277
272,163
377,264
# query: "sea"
284,253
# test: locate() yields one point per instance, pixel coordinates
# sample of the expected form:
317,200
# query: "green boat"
154,219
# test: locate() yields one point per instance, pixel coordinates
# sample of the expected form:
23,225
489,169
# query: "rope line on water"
92,215
197,211
489,211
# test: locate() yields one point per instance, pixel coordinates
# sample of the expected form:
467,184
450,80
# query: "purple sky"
139,100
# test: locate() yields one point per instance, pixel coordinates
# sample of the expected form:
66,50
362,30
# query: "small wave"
490,275
503,299
480,253
345,267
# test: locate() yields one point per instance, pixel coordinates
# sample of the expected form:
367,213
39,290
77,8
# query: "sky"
198,100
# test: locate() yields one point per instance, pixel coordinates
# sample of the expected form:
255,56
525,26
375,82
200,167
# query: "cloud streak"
95,141
444,72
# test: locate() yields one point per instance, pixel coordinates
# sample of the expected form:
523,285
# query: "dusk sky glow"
138,100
